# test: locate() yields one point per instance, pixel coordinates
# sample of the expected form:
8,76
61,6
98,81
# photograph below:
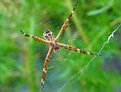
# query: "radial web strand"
84,68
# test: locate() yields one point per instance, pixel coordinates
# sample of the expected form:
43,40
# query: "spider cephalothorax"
56,47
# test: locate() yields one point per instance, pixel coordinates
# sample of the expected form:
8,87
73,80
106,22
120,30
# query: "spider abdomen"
48,35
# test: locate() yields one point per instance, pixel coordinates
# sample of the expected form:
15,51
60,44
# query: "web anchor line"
84,68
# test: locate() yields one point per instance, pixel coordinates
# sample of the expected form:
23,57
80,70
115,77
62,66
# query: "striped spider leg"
76,49
64,26
35,38
45,67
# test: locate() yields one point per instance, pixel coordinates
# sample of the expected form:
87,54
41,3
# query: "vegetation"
21,58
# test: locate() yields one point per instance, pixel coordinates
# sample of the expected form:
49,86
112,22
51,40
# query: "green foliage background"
21,58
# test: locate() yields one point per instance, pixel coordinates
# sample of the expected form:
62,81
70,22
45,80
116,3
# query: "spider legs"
64,26
35,38
45,67
76,49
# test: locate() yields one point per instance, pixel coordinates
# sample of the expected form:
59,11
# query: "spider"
54,45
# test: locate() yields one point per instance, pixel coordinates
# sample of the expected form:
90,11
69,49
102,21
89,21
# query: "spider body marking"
48,35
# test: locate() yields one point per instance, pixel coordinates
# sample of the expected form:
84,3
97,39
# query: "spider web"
85,67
